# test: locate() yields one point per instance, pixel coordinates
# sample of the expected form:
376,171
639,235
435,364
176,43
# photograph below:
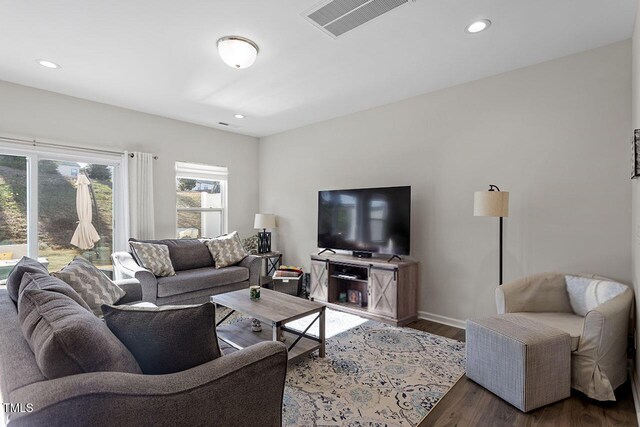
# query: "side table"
271,261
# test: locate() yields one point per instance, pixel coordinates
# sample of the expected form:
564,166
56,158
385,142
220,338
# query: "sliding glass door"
57,205
13,211
58,217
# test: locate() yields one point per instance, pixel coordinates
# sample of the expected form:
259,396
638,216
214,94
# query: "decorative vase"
254,292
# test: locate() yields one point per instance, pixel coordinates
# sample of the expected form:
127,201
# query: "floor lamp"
492,203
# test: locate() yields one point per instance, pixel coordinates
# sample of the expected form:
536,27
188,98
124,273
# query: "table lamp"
492,203
264,221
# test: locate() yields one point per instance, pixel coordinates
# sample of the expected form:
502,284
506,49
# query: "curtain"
141,223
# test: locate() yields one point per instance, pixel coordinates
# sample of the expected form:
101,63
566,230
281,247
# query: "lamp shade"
491,203
264,221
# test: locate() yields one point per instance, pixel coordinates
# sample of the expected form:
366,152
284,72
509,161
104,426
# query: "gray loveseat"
196,277
241,388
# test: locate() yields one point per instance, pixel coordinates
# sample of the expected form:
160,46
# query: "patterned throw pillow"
90,283
154,257
226,250
250,245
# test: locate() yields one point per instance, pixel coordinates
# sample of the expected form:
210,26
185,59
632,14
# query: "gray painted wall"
556,135
39,114
635,184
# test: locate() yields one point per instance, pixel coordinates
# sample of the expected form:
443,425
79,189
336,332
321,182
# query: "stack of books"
287,272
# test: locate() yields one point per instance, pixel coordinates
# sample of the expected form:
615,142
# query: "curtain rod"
35,143
132,155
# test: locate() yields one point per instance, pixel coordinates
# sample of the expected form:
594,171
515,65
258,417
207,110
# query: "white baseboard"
456,323
636,393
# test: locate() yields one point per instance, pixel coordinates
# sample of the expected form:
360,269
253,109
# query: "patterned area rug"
373,375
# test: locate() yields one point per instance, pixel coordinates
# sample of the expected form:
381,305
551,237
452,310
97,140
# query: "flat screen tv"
376,220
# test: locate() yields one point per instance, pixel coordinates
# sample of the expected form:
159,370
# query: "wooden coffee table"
274,310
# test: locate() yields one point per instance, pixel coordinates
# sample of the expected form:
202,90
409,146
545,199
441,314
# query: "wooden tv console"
388,288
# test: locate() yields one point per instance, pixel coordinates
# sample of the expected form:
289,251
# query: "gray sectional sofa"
196,277
241,388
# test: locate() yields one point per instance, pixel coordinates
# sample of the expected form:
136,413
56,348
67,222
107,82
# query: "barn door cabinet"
319,280
383,290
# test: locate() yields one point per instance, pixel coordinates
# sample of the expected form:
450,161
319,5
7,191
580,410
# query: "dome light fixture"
239,116
237,52
478,26
47,64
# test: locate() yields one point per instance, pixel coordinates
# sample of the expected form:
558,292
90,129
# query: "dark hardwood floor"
468,404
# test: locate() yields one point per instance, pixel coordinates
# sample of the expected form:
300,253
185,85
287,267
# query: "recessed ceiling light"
237,52
478,26
47,64
238,116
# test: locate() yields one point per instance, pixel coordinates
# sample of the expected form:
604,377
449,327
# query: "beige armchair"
598,336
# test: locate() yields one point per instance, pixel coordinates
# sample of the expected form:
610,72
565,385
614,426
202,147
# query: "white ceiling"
159,56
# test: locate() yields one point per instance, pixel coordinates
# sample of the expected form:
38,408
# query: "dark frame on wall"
636,153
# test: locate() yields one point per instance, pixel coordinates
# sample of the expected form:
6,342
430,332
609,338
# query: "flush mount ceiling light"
238,116
47,64
478,26
237,52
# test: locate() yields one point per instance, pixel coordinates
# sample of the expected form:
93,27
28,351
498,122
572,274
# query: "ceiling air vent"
339,16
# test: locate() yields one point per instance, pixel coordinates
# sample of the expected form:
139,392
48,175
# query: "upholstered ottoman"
522,361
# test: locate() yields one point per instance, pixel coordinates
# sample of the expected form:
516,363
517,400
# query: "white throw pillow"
585,294
227,250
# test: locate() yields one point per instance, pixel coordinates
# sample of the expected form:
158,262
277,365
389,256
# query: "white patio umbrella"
85,235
